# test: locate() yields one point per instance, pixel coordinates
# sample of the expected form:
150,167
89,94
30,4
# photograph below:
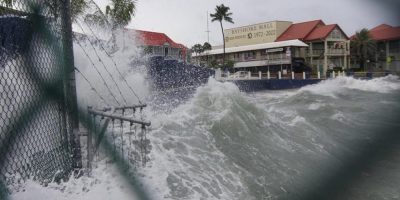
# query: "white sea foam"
185,157
105,183
332,87
220,144
128,61
315,106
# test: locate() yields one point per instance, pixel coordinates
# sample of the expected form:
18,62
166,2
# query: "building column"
387,55
345,54
325,57
311,55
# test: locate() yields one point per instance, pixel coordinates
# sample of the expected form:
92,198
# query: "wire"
91,86
115,64
101,76
101,61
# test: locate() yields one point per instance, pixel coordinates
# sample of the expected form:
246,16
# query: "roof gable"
149,38
300,30
322,32
383,32
381,27
392,33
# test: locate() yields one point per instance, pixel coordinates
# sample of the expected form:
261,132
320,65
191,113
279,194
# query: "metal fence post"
69,84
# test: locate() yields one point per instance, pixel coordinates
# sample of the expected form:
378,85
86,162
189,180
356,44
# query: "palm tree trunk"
223,39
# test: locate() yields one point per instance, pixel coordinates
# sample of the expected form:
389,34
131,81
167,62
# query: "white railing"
337,51
222,76
247,75
320,52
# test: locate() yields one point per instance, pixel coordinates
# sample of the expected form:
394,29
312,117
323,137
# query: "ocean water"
225,144
336,139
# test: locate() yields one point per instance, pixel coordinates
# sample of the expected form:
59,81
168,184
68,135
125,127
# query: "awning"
270,45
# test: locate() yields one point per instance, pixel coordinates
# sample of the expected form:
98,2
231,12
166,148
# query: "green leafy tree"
363,46
207,46
7,3
121,12
229,64
54,6
213,64
77,7
197,48
222,14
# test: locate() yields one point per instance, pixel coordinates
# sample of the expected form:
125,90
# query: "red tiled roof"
300,30
322,32
380,27
385,32
149,38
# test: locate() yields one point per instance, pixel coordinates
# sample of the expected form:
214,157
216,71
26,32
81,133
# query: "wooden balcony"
330,52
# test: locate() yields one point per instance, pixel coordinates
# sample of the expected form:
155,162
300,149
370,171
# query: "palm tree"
363,46
222,14
121,12
198,49
207,47
54,6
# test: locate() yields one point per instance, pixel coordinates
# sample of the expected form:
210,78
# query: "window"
263,52
148,50
394,46
236,56
250,55
336,34
166,51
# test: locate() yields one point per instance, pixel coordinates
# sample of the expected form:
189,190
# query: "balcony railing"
320,52
336,52
315,52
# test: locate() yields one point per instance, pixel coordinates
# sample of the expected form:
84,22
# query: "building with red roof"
388,47
281,45
328,46
254,48
300,30
159,44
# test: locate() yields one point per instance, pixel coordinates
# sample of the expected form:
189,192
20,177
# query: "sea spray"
225,144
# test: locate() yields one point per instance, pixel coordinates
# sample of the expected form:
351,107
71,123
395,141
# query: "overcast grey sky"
185,21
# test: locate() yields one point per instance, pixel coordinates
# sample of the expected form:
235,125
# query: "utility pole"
208,30
208,39
70,109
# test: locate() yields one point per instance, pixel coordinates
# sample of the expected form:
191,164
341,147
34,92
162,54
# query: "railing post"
218,74
304,75
319,74
292,75
268,75
259,74
279,75
228,75
333,74
89,144
249,74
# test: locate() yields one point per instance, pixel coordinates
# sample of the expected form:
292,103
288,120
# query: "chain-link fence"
37,102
